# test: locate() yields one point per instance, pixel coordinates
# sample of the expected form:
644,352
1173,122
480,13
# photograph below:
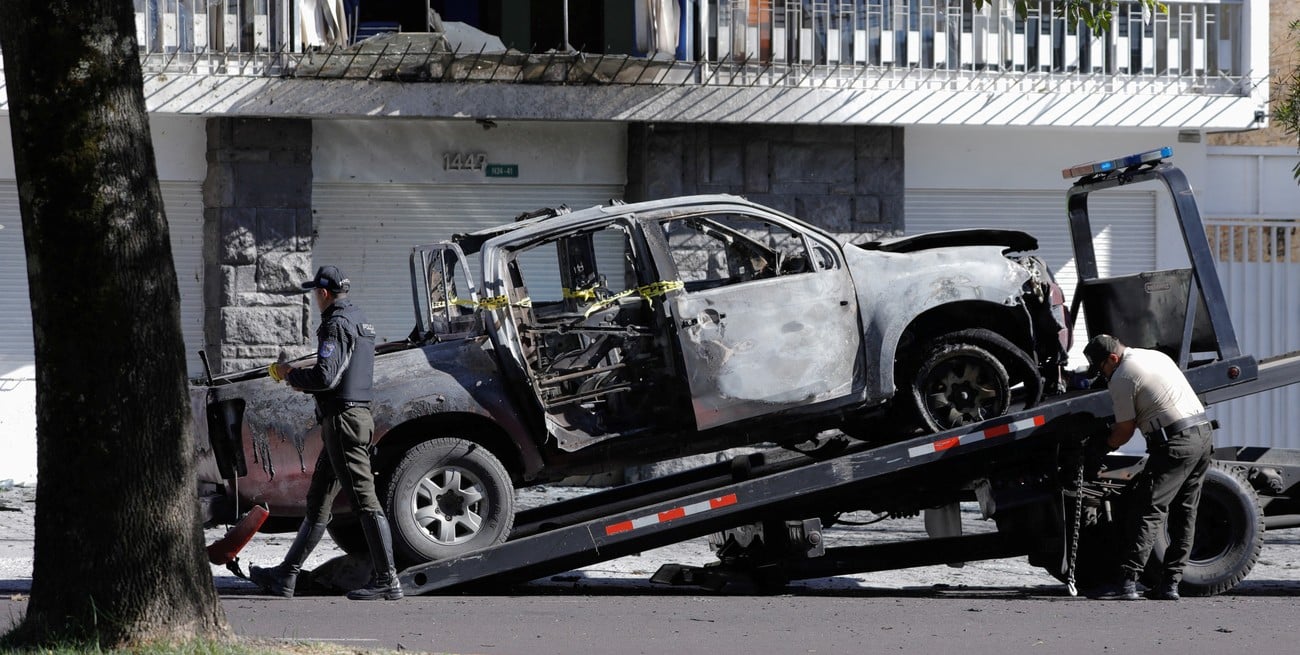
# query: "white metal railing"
1197,47
205,26
1192,39
1254,240
1258,262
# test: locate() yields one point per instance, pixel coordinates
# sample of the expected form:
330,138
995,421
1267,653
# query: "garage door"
15,307
183,202
368,230
184,206
1123,225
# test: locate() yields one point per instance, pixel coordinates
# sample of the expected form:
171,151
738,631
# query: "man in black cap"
340,380
1151,393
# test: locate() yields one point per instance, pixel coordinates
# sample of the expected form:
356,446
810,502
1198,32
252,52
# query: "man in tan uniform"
1151,394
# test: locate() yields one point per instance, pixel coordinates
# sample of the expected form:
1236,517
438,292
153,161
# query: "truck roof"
561,215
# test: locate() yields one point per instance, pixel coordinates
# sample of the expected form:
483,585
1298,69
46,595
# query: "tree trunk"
119,550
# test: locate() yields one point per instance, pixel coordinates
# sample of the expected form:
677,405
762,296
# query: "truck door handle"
844,303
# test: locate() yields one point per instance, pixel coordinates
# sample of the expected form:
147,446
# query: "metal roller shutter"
1123,224
15,307
183,202
368,230
184,205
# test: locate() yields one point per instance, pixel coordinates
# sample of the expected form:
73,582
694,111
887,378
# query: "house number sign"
464,161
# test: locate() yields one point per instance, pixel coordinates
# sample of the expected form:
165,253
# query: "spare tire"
1229,537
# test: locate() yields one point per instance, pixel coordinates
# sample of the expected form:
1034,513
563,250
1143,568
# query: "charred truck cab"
577,342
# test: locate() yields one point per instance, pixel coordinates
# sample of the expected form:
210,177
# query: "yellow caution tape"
648,291
660,288
501,302
584,295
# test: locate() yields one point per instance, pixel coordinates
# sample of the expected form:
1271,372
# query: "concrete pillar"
257,240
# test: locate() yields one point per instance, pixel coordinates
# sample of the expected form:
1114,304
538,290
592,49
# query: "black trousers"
344,463
1168,489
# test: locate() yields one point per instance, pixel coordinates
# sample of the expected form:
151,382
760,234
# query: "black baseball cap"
1098,348
329,278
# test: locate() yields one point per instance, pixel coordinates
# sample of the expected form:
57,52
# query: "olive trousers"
1168,489
344,463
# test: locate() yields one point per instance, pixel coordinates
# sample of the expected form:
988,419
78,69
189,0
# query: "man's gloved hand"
278,371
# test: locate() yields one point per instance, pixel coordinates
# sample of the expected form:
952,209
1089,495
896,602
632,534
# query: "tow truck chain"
1070,586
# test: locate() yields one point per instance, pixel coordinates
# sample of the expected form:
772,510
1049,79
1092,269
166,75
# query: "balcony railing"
1192,39
1197,47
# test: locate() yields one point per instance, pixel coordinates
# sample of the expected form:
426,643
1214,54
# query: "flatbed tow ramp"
1025,469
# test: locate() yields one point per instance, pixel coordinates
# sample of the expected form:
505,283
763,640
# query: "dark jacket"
345,358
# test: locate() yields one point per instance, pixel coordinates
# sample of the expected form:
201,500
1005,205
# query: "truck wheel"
958,384
1229,536
448,497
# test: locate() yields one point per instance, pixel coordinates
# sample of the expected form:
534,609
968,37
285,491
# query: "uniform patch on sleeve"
327,349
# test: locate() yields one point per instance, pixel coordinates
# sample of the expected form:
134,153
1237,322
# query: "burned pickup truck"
569,343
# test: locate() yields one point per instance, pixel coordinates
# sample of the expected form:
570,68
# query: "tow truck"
1052,499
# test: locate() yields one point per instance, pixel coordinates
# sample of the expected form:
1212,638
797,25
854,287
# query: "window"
570,272
450,308
716,250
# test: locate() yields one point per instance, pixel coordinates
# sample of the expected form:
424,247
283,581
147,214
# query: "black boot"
383,583
1166,590
280,580
1124,590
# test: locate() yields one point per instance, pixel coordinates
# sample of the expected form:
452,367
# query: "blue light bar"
1117,164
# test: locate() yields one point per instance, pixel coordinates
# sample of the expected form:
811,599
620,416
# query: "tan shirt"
1149,387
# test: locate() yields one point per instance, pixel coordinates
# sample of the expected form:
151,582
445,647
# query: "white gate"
1259,266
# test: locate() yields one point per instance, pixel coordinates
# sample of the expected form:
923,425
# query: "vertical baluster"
780,33
1119,54
1016,29
939,39
887,19
914,32
1179,44
1046,25
860,33
1200,30
833,45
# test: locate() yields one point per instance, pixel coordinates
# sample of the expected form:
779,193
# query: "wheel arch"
521,460
1009,321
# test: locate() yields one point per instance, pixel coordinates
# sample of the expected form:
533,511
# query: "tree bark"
119,553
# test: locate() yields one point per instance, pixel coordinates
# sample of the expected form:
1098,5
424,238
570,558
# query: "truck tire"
1229,536
447,497
958,383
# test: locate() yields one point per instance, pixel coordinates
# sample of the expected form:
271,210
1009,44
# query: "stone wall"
257,240
846,180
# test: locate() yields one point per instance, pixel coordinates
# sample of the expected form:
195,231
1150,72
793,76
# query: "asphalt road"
972,620
995,606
